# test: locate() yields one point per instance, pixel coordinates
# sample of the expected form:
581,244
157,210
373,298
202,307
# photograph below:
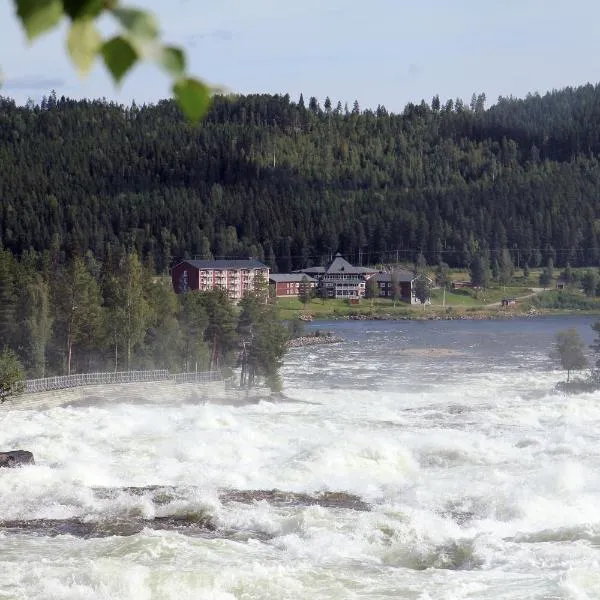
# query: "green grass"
472,298
566,299
456,302
290,308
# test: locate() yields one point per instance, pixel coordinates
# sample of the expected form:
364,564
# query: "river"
419,460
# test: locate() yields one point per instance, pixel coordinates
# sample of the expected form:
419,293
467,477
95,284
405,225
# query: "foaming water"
418,460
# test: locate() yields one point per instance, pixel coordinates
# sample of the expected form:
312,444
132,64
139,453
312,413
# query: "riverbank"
314,340
158,392
456,305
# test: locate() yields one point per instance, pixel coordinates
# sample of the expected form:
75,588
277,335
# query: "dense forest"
293,182
98,199
84,316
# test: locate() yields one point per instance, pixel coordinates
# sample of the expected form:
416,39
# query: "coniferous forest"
292,182
87,188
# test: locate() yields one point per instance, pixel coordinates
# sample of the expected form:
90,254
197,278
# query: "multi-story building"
235,276
404,283
290,284
339,279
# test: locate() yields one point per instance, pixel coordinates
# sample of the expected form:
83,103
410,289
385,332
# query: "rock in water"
16,458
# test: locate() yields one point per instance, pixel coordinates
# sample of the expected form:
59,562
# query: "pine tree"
36,319
193,321
11,375
77,305
506,268
132,309
8,298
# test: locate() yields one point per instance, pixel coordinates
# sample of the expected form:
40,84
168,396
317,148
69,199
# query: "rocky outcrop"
314,340
16,458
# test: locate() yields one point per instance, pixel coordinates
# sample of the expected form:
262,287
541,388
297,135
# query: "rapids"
419,460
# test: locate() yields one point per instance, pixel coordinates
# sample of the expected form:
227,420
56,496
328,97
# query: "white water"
484,482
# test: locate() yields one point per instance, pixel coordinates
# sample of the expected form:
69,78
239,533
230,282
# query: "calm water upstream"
451,474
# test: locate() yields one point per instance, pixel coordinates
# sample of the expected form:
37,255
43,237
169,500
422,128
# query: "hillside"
292,183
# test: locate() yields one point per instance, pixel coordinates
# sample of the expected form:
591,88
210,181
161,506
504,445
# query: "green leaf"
193,97
172,60
139,23
119,56
38,16
83,43
77,9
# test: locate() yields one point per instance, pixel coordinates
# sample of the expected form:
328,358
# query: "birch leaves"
138,39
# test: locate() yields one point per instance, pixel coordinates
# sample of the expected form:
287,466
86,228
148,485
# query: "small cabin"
509,301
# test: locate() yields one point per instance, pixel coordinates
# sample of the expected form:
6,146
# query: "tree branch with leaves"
138,40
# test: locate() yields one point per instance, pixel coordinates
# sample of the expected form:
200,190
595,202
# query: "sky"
387,52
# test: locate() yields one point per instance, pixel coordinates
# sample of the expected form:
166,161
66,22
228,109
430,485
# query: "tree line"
293,182
83,315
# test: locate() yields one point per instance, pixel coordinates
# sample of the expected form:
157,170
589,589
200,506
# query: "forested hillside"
291,183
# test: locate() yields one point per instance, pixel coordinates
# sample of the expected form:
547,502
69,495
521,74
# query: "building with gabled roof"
340,279
236,276
290,284
404,279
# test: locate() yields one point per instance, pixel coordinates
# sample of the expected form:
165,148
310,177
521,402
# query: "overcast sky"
386,52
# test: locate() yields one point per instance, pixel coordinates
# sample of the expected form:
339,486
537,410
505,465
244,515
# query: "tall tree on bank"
506,268
11,375
77,303
132,309
422,282
220,333
263,338
164,338
305,291
595,347
569,349
480,270
442,275
8,298
193,321
396,286
35,316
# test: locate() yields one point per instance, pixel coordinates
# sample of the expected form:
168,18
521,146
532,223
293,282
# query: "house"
339,279
290,284
508,301
237,276
406,285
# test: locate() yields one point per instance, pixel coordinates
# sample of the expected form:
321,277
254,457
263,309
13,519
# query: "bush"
565,300
578,386
11,375
464,292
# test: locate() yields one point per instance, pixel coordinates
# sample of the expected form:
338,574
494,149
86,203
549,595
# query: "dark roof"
222,264
311,270
340,265
294,277
403,276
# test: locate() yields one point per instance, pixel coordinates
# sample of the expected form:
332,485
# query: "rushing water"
402,473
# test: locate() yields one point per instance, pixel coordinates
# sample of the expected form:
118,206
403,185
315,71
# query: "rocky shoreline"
438,317
314,340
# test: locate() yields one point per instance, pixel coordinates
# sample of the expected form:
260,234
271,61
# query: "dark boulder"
16,458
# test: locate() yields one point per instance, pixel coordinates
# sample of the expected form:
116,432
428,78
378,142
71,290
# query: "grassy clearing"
464,302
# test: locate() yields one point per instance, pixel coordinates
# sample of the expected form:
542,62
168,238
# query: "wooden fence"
63,382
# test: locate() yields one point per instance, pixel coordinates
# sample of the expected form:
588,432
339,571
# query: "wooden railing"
69,381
